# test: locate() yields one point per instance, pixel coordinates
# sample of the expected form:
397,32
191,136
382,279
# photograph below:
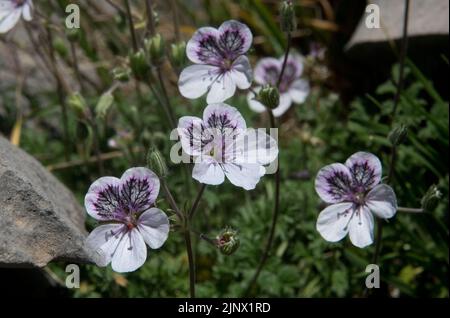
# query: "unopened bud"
104,104
78,104
431,199
287,14
154,48
228,241
269,96
156,162
398,135
121,74
139,65
178,54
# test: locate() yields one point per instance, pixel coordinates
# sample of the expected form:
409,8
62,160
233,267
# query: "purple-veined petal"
222,88
365,169
245,175
333,221
26,11
267,71
299,91
9,20
203,48
139,189
194,138
241,72
102,200
361,228
196,80
333,183
283,106
103,240
382,201
235,38
223,117
208,171
130,253
154,227
254,146
294,66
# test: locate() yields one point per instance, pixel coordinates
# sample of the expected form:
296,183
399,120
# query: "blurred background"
44,69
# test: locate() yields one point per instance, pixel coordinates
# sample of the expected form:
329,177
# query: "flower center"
227,63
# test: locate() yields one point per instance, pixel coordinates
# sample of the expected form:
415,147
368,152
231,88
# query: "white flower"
220,63
222,146
292,87
126,205
11,11
355,193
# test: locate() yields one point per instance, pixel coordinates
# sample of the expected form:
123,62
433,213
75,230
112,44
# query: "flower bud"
287,14
398,135
103,105
228,241
154,47
139,65
121,74
269,96
431,199
178,54
78,104
156,162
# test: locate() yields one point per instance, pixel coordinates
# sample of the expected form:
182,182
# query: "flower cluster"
11,11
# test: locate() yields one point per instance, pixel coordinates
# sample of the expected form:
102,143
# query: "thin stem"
150,21
76,67
187,240
166,97
131,25
286,55
171,200
176,22
196,202
410,210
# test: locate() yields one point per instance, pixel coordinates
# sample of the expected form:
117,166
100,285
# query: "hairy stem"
196,202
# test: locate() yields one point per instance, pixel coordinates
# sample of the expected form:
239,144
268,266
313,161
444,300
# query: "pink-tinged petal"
283,106
196,80
333,221
365,169
102,200
193,138
253,103
223,117
139,189
202,48
333,183
26,11
382,201
103,241
267,71
9,20
361,228
222,88
130,253
245,175
299,91
254,146
235,38
208,171
294,66
241,72
154,226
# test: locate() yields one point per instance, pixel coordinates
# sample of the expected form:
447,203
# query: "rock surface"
40,220
426,19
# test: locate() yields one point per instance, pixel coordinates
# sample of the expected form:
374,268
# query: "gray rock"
40,220
426,19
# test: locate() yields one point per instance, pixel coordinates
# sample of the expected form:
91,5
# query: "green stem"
131,26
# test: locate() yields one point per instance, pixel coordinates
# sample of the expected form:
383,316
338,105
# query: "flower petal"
9,20
235,38
139,189
365,169
241,72
245,175
223,117
194,139
208,171
196,80
333,183
361,228
222,88
154,227
26,11
382,201
299,91
102,200
267,71
130,253
253,103
254,146
333,221
283,106
203,48
103,240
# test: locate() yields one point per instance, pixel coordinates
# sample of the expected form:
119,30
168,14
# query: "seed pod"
269,96
228,241
156,162
288,20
